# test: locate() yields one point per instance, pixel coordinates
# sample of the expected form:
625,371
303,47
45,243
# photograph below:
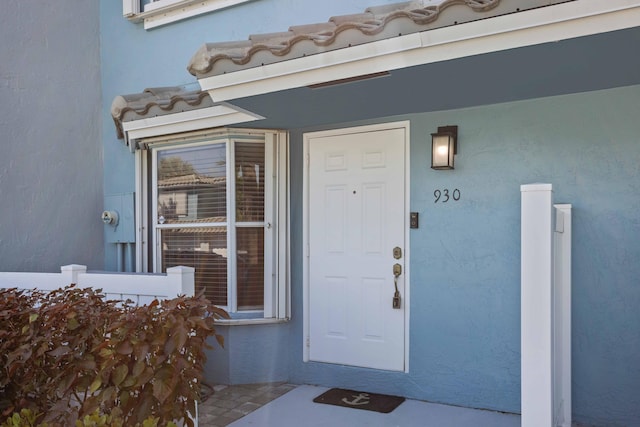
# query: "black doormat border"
383,403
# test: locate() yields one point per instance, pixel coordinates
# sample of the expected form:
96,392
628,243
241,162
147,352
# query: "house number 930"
444,195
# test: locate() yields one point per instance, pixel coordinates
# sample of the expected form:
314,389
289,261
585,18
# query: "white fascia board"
547,24
167,11
218,115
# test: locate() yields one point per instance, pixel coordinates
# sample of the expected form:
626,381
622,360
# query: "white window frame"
162,12
276,221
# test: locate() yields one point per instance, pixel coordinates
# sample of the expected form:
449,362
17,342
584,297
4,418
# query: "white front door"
356,217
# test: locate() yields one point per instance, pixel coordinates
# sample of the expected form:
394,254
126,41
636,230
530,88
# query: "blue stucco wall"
50,144
465,257
251,354
133,59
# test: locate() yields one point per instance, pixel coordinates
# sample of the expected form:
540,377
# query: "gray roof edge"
154,102
376,23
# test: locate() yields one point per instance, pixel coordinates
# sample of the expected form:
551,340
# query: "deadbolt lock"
397,252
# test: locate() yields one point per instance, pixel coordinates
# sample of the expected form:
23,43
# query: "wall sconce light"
444,145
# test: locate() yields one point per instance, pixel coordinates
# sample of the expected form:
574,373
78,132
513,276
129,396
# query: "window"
217,202
155,13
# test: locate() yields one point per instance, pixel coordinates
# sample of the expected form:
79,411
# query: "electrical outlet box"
123,231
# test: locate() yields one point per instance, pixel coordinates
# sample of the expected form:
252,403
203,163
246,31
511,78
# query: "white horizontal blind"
250,194
192,215
211,217
204,249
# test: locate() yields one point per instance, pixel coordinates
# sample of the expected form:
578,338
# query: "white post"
70,273
536,306
181,281
130,7
562,316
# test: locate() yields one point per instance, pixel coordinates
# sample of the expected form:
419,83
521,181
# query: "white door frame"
305,227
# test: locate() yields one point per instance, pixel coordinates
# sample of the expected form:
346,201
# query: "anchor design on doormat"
359,399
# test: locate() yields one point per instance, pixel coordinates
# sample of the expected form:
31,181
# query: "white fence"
140,288
545,309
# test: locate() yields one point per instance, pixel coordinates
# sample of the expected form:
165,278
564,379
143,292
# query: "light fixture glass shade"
442,150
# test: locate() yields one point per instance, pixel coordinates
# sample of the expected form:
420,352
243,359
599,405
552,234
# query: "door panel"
356,218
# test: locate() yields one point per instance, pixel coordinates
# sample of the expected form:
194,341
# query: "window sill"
248,322
166,11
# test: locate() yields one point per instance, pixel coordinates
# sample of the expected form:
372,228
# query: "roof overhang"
553,23
218,115
170,110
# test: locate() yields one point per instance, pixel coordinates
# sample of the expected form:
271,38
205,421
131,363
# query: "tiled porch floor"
229,403
286,405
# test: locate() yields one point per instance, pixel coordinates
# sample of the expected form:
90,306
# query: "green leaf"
73,324
128,382
106,353
150,422
95,385
33,317
138,368
119,374
108,395
124,398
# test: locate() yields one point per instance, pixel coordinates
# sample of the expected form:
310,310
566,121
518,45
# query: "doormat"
360,400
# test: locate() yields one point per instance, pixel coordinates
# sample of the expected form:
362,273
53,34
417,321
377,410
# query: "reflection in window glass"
192,185
249,181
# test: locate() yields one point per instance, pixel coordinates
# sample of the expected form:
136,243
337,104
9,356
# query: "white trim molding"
536,26
162,12
215,116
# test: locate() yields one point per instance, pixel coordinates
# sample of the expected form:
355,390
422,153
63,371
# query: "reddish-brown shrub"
70,352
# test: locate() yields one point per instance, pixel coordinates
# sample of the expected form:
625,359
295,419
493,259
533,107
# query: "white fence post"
562,316
181,281
536,306
70,273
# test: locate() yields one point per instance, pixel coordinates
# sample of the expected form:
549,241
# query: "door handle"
397,271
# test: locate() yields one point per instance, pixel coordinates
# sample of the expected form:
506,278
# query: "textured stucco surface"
465,257
50,148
